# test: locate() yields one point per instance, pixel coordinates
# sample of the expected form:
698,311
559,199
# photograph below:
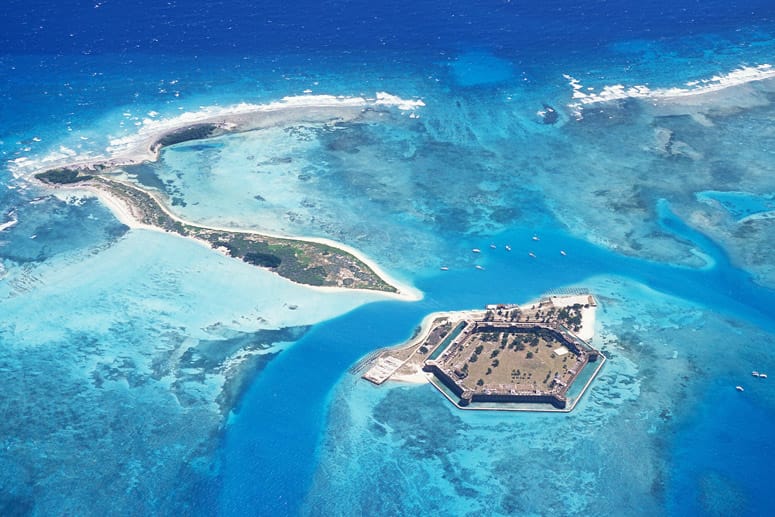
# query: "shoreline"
123,212
737,77
417,375
146,144
154,135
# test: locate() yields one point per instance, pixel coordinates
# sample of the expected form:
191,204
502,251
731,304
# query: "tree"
529,355
480,382
262,259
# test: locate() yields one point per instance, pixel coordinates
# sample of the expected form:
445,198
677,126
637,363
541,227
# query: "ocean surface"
144,374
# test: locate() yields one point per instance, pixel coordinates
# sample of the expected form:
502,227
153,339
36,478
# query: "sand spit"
155,134
146,144
126,215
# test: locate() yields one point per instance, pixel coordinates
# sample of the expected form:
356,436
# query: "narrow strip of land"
316,263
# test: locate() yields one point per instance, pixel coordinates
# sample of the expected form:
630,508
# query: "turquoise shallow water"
186,382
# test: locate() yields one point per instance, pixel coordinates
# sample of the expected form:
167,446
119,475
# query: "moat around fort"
506,357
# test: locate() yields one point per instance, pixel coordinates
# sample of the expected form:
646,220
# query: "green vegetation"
262,259
571,316
304,262
62,176
195,132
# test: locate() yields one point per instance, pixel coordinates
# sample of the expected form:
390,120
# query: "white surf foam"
386,99
11,222
608,93
135,147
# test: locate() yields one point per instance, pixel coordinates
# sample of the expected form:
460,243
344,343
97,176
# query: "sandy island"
124,213
404,362
148,142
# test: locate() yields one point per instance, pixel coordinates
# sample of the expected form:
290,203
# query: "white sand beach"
142,146
587,328
124,213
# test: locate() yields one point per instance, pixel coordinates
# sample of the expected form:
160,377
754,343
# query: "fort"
505,357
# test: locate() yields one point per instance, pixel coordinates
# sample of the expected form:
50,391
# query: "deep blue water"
294,390
73,68
241,26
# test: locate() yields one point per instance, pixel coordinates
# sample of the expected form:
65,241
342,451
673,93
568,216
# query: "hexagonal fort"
497,359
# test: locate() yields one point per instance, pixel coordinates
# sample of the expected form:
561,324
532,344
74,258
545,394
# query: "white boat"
476,250
480,268
762,375
535,238
562,252
493,246
508,248
533,255
444,268
739,388
755,373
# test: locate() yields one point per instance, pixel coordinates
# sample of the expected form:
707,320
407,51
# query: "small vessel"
762,375
507,247
480,268
562,252
493,246
533,255
444,268
739,388
476,250
535,238
755,373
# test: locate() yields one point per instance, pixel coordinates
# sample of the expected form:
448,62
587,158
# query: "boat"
476,250
755,373
480,268
535,238
532,254
739,388
493,246
562,252
762,375
507,247
444,268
